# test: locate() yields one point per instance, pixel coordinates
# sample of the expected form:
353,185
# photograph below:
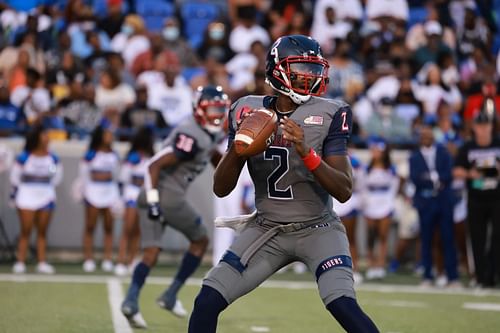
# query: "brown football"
256,132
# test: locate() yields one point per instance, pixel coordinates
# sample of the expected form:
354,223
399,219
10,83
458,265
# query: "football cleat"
177,310
131,311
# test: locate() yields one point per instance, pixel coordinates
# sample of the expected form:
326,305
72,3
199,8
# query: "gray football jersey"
285,190
193,146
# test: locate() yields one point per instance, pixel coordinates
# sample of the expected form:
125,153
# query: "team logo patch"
314,120
333,262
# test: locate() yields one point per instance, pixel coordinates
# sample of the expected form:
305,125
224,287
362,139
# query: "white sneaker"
441,281
371,274
137,321
107,265
45,268
381,273
299,267
178,310
89,266
19,268
357,277
121,270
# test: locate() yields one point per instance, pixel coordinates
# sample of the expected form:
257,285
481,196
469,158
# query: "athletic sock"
350,316
207,306
188,266
141,272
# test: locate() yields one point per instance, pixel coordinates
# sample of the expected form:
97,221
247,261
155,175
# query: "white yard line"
482,306
115,297
293,285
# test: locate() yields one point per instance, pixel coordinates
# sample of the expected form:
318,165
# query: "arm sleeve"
338,133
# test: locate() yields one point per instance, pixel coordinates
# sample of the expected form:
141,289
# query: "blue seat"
154,13
197,15
417,15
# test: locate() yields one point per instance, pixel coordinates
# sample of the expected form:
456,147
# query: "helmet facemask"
211,114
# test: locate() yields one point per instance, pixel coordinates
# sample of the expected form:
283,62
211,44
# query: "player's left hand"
294,133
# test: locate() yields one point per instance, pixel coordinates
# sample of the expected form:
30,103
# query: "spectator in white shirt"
345,10
112,95
248,31
397,9
172,96
324,30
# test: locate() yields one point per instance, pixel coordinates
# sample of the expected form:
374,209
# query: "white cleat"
19,268
137,321
441,281
178,310
45,268
121,270
107,266
89,266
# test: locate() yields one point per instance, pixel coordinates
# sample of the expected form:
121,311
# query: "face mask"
171,33
216,34
127,29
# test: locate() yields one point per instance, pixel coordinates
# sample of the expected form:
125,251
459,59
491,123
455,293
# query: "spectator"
247,30
350,11
34,178
113,94
434,47
431,173
115,63
145,61
140,115
416,35
111,24
78,110
407,106
174,42
214,74
432,90
16,76
99,174
474,102
132,178
379,190
54,56
96,60
11,117
171,95
131,41
60,78
473,31
475,67
330,28
478,163
9,55
33,98
242,66
396,11
343,69
216,43
385,123
298,24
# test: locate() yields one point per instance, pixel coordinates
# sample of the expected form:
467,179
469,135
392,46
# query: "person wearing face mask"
175,42
216,43
131,41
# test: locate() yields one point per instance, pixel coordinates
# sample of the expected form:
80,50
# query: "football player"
294,178
186,152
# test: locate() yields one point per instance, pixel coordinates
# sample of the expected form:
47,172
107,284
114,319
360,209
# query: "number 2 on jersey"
283,166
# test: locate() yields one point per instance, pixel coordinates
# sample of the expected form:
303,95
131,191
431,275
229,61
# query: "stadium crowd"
412,71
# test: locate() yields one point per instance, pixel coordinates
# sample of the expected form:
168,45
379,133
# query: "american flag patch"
314,120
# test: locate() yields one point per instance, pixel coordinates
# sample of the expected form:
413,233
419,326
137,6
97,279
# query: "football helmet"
295,67
211,106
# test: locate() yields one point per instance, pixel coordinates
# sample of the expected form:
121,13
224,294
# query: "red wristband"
311,160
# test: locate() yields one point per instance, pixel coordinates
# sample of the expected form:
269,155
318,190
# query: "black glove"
154,211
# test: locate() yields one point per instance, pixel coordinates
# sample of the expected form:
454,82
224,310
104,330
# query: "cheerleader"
132,178
34,177
349,212
380,188
99,172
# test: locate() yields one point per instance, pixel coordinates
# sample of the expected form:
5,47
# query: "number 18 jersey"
285,190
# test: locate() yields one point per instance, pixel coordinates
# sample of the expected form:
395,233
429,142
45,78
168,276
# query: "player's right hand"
154,211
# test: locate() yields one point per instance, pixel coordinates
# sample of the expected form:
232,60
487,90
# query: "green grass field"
73,303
